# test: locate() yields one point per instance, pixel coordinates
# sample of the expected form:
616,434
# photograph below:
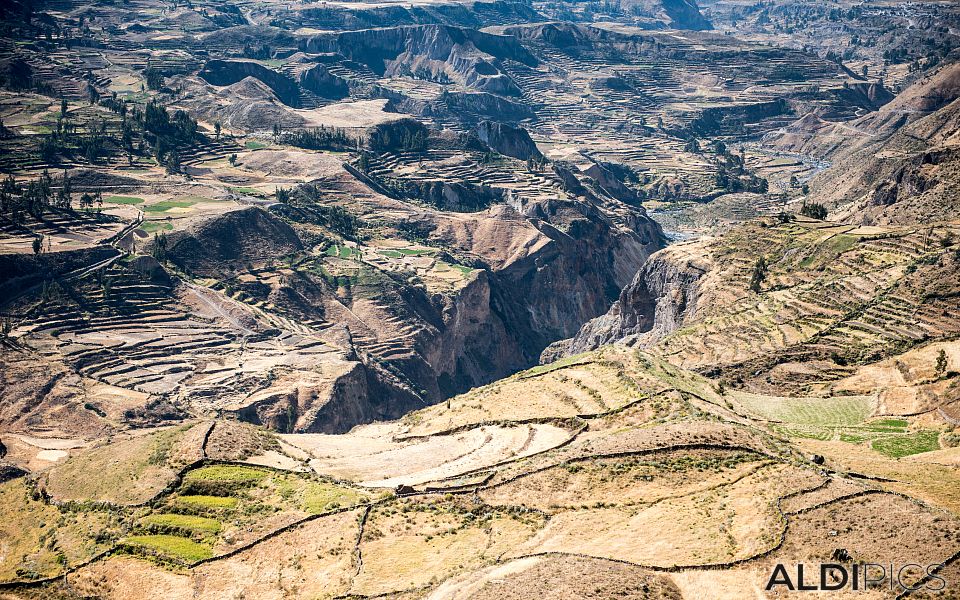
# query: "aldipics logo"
856,577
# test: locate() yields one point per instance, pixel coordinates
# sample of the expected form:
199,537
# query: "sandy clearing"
384,463
272,458
361,113
52,455
462,588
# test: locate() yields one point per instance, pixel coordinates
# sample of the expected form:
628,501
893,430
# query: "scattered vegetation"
905,445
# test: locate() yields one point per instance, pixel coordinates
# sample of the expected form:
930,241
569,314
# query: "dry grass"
424,543
704,527
127,471
38,540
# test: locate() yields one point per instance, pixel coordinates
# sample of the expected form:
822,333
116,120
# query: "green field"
165,205
154,226
886,425
213,502
172,545
441,265
255,145
904,445
340,251
185,522
227,474
841,411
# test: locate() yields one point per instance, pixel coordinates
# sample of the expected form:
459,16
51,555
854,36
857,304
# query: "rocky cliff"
664,294
465,14
439,53
507,140
895,164
228,72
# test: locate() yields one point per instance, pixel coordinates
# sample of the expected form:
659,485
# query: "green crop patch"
172,545
207,502
185,522
165,205
227,474
254,145
851,438
904,445
340,251
221,480
886,425
154,226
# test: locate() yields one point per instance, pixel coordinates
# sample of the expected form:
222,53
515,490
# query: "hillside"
450,299
567,486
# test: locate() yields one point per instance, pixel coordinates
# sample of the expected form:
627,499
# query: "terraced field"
494,300
673,479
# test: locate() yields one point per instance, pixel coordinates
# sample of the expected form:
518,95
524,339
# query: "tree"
173,162
759,274
941,367
217,128
160,246
153,77
64,196
38,244
233,160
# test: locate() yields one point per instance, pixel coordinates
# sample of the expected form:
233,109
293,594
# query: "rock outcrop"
228,72
507,140
321,82
434,52
465,14
481,105
663,294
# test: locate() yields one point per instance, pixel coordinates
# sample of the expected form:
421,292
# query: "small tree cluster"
814,211
320,138
398,136
35,197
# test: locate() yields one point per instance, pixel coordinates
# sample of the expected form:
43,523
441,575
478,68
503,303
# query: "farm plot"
717,525
625,481
388,464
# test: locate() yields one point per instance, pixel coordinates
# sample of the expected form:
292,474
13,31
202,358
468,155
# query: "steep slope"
434,52
903,150
619,474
